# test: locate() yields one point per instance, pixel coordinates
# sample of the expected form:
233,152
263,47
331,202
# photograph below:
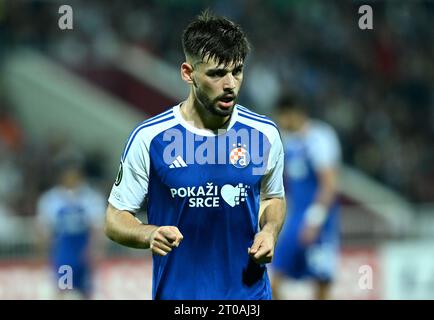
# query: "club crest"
239,156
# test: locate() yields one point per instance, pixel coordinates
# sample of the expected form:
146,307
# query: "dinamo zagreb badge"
239,156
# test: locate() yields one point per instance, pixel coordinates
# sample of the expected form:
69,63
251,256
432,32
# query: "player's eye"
221,73
237,71
217,73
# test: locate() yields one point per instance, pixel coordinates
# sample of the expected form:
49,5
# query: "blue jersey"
209,185
70,215
306,153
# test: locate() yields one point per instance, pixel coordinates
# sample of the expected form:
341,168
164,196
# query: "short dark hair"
215,38
291,102
67,160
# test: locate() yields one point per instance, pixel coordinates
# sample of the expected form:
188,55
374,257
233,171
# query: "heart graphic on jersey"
231,194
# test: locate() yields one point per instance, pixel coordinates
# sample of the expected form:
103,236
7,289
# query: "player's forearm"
325,197
123,228
273,215
328,184
316,214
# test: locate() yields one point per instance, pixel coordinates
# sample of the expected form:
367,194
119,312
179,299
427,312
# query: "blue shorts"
317,261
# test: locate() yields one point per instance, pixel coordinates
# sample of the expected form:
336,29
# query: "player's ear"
186,73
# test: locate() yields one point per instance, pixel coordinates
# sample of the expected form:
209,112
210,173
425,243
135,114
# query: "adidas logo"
178,163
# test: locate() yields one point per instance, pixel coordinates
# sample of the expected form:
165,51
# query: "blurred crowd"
29,167
374,86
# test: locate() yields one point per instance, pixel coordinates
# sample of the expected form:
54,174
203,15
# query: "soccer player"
212,174
308,246
70,217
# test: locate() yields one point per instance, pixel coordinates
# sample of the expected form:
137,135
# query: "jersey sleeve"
272,182
97,205
131,185
44,211
324,148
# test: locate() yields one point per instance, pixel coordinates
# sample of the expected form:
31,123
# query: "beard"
212,105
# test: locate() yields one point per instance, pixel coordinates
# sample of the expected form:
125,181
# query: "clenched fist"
164,238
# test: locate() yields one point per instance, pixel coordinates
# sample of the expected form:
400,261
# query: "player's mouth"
226,101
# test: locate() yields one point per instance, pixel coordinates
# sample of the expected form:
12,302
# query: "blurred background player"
308,245
70,217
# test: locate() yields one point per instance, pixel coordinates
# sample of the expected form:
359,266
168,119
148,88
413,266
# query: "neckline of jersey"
203,132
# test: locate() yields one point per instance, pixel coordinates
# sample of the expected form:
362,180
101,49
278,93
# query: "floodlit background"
85,89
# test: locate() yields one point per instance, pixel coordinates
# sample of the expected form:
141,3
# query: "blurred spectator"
11,147
11,134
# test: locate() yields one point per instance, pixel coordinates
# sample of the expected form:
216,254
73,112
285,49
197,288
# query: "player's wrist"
149,232
316,215
270,230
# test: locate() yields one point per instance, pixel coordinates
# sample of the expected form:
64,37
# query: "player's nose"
229,82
